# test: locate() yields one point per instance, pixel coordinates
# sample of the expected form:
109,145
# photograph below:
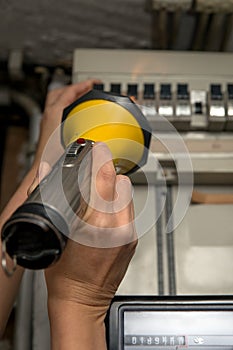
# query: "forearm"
19,196
9,285
56,101
76,326
8,292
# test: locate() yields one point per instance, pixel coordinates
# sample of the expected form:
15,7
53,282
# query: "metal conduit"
213,29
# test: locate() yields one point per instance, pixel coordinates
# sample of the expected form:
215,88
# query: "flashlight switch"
81,141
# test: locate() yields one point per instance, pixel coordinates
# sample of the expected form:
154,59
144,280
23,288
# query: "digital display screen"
178,329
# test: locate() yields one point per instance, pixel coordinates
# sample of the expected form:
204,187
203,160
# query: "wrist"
76,326
78,292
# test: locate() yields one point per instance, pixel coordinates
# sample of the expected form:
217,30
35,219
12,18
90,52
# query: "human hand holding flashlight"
83,282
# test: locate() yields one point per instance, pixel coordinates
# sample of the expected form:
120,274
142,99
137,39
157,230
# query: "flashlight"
36,234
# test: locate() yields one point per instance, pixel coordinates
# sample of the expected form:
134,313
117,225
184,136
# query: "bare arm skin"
56,101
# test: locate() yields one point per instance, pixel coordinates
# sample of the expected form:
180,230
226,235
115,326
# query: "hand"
97,256
83,282
56,101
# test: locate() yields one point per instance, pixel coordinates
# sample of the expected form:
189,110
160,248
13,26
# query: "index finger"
69,93
75,91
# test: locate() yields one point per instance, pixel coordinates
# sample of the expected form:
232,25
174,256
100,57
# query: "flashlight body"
36,234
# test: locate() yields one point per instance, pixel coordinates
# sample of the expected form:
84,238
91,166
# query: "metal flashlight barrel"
36,234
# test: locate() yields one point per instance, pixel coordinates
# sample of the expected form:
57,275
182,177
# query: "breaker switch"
98,87
165,92
116,88
198,108
132,90
182,92
149,92
215,92
230,91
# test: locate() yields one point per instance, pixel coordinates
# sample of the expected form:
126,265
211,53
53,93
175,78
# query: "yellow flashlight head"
113,119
